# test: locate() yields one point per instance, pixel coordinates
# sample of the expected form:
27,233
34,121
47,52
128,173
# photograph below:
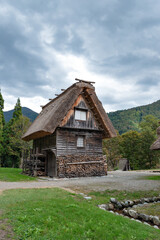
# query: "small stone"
81,194
156,220
150,218
140,205
155,226
118,205
143,216
150,199
154,199
121,215
113,200
138,221
123,204
136,201
87,198
142,200
103,206
134,206
117,213
133,213
147,224
111,211
110,206
131,203
146,200
125,212
126,204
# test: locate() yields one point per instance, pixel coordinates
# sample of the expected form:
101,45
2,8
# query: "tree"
13,144
148,127
135,146
1,108
1,137
12,133
112,151
18,128
130,148
17,110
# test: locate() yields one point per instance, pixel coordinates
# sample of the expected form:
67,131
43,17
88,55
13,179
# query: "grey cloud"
118,38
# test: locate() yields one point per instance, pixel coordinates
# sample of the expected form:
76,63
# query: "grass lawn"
157,177
13,175
104,197
43,214
150,209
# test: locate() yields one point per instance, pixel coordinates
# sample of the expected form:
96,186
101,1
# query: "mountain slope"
26,112
126,120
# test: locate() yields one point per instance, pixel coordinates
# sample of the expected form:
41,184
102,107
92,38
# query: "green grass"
150,209
13,175
54,214
157,177
104,197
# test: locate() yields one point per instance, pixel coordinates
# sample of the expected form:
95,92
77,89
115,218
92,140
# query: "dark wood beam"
80,80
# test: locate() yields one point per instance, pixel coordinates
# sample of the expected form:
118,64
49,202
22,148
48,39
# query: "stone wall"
81,166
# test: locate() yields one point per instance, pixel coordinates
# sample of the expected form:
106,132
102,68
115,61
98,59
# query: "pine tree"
1,139
1,108
17,110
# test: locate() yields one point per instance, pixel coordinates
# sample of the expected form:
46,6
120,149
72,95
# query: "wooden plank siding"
67,142
45,142
70,122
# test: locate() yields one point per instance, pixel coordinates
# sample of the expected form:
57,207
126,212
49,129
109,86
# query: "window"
80,115
80,142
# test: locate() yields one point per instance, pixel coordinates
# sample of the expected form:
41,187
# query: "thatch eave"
36,135
156,145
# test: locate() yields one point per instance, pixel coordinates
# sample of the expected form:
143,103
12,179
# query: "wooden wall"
45,142
69,120
67,142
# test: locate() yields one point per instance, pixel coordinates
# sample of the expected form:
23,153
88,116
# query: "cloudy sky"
46,44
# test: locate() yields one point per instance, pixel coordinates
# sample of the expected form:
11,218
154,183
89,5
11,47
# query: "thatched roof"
53,113
156,144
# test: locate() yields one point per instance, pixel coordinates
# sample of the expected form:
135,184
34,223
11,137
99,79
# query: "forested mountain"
25,111
125,120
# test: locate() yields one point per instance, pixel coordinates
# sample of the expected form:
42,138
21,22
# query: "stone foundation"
81,166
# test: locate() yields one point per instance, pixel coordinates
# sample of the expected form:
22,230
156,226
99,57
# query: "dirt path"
130,181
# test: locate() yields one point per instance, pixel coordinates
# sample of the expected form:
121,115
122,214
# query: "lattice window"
80,141
80,115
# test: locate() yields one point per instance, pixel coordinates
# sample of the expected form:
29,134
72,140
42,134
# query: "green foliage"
126,120
135,146
112,151
14,175
130,148
55,214
156,178
104,196
1,108
13,143
17,110
1,137
12,134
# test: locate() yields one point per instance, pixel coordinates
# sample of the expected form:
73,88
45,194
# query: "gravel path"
114,180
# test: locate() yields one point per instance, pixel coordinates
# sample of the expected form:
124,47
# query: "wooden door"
52,171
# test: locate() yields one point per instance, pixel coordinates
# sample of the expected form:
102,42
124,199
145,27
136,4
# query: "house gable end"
80,116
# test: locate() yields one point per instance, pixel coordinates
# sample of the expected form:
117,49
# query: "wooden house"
67,135
156,144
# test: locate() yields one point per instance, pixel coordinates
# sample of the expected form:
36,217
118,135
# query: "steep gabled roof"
53,113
